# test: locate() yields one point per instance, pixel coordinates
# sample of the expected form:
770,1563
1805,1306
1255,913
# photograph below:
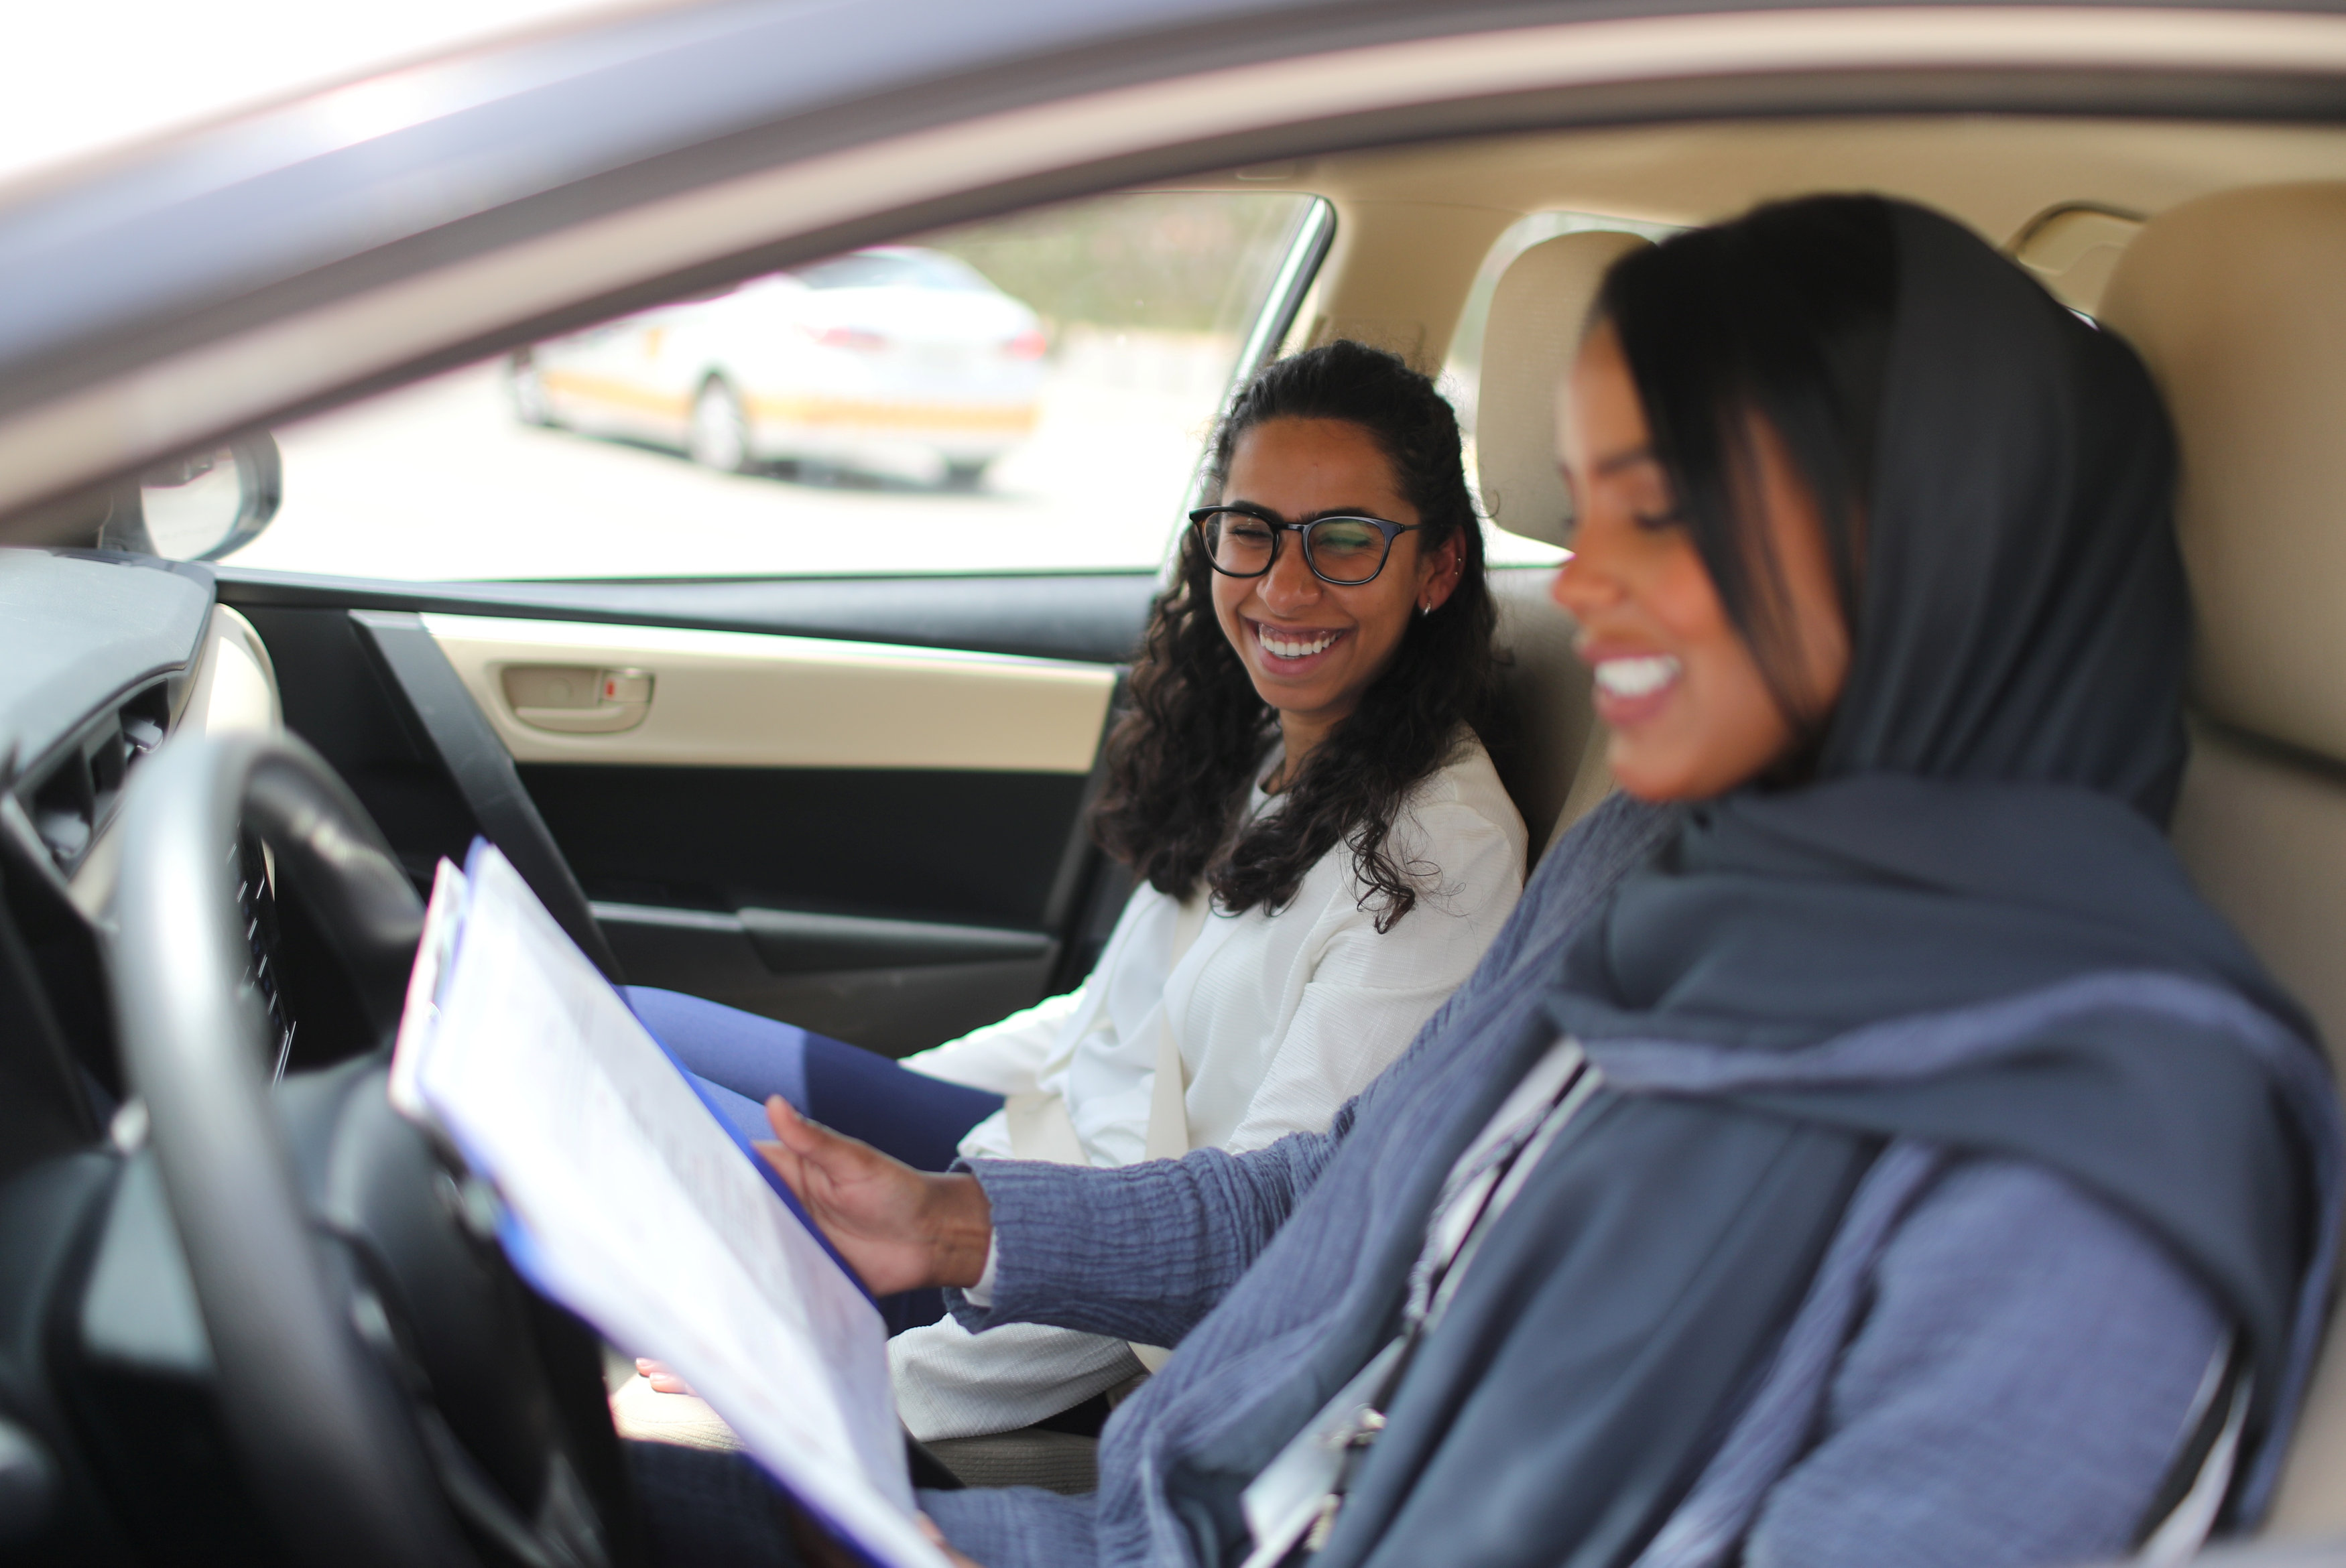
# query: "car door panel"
972,849
878,994
681,698
879,837
893,907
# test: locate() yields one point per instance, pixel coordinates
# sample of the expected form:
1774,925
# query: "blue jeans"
740,1059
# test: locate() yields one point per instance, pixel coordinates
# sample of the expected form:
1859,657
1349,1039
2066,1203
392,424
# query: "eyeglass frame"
1279,525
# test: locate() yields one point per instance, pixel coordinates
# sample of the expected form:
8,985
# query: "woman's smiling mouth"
1296,646
1631,686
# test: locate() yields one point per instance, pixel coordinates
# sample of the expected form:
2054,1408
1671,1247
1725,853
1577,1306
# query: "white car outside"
895,360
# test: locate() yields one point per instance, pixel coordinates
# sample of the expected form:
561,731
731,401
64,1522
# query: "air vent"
71,796
146,719
65,813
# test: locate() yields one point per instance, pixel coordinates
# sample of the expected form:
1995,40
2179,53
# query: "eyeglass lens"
1345,550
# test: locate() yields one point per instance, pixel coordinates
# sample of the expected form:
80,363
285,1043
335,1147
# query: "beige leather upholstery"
1537,314
2238,302
1551,756
1543,746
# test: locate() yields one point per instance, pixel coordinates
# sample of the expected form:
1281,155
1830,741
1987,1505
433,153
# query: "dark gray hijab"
1977,858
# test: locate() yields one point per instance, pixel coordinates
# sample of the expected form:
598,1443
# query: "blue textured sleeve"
1016,1526
1143,1251
2015,1396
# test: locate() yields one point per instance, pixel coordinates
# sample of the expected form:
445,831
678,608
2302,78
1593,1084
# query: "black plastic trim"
794,942
450,722
890,843
798,942
1093,617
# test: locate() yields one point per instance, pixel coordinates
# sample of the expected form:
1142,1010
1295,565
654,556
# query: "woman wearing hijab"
1863,1146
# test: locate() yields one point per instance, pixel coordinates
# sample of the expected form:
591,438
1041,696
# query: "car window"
1023,394
895,268
1462,373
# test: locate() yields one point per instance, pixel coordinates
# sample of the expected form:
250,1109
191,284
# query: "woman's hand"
900,1229
661,1377
937,1539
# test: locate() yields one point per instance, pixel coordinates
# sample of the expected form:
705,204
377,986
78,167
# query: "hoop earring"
1424,610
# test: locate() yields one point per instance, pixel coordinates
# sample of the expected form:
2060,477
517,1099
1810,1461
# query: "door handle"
577,700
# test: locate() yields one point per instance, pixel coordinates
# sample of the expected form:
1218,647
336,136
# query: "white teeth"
1636,677
1289,647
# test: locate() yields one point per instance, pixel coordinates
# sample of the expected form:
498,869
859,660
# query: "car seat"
2238,303
1550,752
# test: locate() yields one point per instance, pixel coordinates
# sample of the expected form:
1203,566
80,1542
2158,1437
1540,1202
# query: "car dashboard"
110,655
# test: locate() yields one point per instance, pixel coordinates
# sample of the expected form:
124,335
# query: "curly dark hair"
1182,754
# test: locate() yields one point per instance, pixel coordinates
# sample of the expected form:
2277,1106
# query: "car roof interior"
1424,217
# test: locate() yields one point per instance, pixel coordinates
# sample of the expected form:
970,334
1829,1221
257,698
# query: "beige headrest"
2238,303
1536,315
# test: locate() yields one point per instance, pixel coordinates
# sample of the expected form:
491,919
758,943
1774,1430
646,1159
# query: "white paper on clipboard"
630,1204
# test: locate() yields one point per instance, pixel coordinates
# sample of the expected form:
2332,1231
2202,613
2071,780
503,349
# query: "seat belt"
450,728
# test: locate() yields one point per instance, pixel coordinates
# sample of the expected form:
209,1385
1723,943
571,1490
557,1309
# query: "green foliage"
1170,261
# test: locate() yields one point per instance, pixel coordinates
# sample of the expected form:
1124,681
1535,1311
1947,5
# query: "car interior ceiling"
2232,299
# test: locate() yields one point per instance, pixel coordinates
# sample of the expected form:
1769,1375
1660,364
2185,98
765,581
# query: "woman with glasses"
1323,849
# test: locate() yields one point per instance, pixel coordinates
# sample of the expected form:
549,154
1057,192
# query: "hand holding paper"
899,1229
632,1205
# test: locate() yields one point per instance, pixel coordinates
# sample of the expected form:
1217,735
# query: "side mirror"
202,506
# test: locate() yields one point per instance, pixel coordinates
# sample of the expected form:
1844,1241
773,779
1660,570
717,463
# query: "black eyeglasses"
1243,542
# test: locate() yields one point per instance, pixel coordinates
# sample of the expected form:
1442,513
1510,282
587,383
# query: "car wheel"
967,475
719,437
527,387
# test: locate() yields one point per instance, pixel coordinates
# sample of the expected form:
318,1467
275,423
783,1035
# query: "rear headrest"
2238,303
1536,315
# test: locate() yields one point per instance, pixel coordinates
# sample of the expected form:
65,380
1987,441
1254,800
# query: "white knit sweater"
1279,1019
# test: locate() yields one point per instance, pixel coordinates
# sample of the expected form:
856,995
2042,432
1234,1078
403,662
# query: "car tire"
719,434
967,475
527,387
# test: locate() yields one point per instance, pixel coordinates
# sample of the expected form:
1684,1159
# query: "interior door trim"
803,942
1093,617
743,699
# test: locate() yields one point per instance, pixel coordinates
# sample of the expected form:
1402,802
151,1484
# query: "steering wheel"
328,1403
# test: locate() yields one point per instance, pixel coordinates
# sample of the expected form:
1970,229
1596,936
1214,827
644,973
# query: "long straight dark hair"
1180,759
1783,314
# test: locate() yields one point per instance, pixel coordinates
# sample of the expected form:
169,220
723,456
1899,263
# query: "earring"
1426,608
